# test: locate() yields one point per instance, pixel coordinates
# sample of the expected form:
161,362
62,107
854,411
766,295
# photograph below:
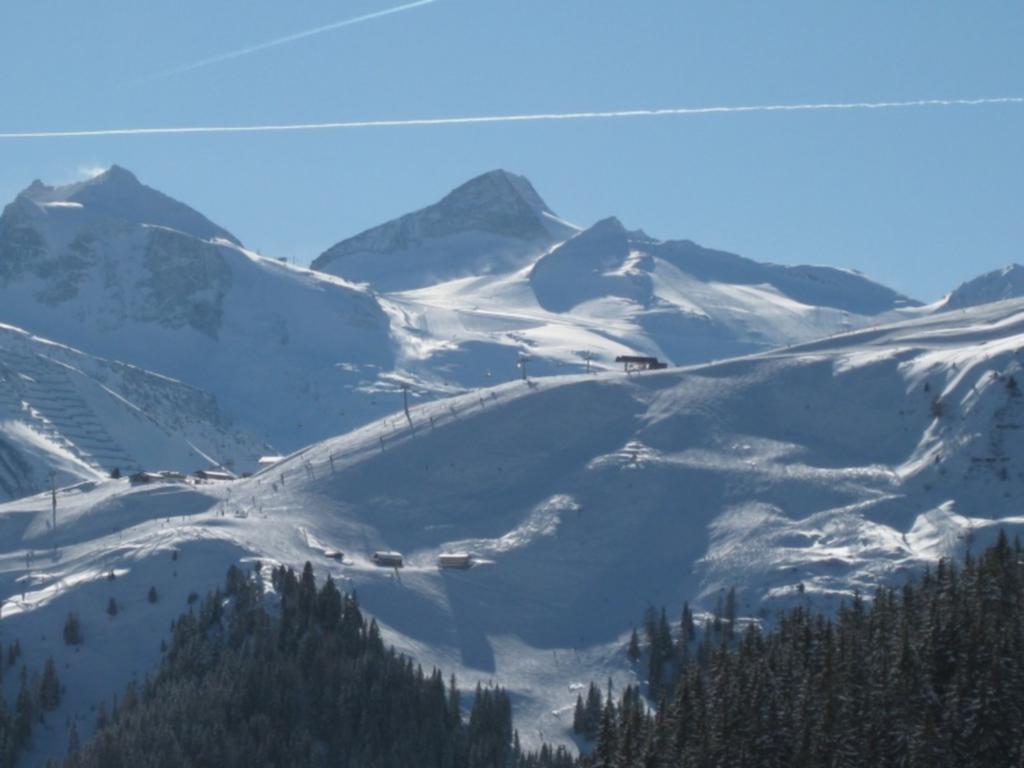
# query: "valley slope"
804,474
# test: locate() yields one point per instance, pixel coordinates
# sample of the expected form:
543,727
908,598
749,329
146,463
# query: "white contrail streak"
281,127
285,40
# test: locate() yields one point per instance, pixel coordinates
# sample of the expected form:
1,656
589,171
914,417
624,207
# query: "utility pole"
405,405
523,360
53,510
28,574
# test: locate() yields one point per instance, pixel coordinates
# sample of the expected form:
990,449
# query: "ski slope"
80,417
803,474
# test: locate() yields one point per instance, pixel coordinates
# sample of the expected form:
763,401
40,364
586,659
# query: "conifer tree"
23,714
72,630
49,687
633,651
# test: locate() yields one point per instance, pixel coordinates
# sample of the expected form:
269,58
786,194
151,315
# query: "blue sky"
920,199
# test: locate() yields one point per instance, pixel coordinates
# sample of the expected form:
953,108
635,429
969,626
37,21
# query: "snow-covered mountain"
120,271
608,291
80,417
799,474
118,197
998,285
493,223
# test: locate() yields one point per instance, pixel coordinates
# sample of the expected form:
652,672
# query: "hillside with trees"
309,684
930,674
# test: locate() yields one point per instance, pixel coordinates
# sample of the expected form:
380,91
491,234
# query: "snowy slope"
608,291
491,224
801,474
120,271
81,417
998,285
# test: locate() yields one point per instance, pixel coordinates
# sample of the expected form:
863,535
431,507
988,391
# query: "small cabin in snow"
214,474
639,363
388,559
144,478
454,560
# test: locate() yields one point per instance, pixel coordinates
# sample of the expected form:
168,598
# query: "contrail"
529,118
285,40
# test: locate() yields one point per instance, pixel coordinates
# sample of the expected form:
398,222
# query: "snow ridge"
998,285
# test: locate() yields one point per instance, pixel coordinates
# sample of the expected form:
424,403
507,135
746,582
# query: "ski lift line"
522,118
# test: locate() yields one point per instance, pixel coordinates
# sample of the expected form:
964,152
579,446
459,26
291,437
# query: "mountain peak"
116,194
611,226
496,219
497,187
114,177
116,174
997,285
504,203
609,223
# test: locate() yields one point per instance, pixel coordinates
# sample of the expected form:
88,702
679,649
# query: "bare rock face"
184,285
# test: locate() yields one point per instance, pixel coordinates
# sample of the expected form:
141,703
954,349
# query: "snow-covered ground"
998,285
795,475
81,417
610,292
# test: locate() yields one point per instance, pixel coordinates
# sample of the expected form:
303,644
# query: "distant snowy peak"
497,203
595,264
1001,284
117,196
609,260
492,222
116,248
501,203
